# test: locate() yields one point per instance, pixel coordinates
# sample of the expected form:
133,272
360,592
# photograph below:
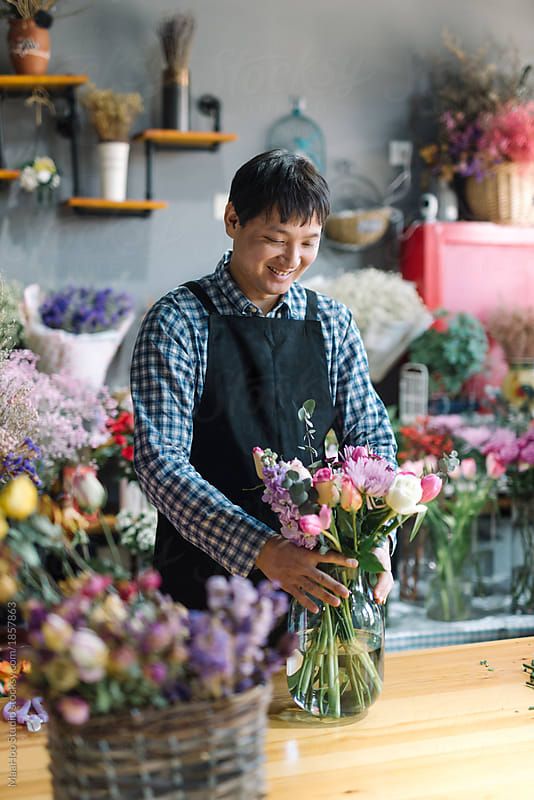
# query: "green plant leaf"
309,407
370,563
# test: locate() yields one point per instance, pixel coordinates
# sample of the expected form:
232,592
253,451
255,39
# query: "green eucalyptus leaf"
293,475
309,406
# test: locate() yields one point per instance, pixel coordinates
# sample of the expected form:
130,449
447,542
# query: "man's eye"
274,241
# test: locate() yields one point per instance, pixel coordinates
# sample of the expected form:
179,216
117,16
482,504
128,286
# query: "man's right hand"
296,570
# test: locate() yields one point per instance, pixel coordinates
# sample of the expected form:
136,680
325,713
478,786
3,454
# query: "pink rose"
149,580
315,524
431,486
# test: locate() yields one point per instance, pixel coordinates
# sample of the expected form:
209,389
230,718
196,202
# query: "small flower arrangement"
112,113
513,329
39,175
79,309
137,532
112,644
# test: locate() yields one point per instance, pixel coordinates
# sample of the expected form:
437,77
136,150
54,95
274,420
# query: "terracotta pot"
29,47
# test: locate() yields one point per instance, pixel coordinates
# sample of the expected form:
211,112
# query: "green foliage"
452,355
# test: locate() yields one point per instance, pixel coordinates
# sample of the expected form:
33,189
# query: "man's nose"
291,257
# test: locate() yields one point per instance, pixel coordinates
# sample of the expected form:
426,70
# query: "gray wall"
356,63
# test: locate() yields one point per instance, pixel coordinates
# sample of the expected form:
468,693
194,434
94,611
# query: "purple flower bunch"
68,417
21,462
512,454
85,310
114,644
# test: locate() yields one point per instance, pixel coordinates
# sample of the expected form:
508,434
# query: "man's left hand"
385,580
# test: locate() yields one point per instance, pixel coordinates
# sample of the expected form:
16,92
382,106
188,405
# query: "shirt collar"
235,296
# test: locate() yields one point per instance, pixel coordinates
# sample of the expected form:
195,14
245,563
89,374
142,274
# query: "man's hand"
385,580
295,569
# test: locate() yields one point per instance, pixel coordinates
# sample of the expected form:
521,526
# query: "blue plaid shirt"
167,380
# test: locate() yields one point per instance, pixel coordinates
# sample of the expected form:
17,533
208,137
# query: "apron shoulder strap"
311,304
201,296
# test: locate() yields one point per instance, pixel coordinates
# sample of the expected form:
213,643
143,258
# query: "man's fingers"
383,586
333,557
319,592
304,600
327,581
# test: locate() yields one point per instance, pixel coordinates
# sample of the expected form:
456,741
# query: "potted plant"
112,114
76,329
176,36
453,349
28,38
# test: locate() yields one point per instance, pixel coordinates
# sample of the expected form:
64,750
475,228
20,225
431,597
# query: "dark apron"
260,370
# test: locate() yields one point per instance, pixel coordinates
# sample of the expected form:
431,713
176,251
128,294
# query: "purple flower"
85,310
372,476
504,445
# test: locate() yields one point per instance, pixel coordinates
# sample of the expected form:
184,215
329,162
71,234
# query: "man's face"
269,255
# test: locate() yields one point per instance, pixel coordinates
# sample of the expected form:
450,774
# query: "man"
222,365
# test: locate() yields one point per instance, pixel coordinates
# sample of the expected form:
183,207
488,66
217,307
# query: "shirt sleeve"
163,378
361,417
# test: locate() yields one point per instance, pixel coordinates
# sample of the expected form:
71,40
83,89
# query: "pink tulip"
431,486
74,710
96,584
351,499
494,467
315,524
468,468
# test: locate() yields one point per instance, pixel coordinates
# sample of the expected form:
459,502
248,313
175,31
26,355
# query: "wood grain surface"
445,728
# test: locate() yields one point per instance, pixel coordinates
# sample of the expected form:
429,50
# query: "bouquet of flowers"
387,309
137,533
119,447
350,505
77,329
40,175
481,112
112,645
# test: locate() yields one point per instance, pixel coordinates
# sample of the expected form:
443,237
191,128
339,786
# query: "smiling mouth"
280,273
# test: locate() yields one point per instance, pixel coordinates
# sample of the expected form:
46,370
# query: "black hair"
282,181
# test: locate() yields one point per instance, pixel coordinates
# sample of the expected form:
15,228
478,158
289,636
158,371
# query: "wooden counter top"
446,728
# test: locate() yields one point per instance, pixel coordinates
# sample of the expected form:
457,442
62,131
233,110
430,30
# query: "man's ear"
231,220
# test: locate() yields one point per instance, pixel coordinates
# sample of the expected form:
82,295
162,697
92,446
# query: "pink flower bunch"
344,504
69,415
508,134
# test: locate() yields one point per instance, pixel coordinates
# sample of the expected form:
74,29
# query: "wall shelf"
97,206
192,140
9,174
25,83
168,139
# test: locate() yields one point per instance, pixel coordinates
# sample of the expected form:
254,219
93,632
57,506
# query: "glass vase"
448,595
338,669
523,576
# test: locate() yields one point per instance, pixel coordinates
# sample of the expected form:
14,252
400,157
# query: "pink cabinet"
470,266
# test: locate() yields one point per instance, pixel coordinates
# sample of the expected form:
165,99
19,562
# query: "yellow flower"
429,153
4,527
19,498
61,674
8,588
44,163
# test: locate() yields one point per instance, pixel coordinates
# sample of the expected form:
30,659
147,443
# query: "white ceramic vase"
113,166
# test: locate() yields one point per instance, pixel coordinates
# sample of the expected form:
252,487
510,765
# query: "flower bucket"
199,751
505,195
113,167
85,356
29,47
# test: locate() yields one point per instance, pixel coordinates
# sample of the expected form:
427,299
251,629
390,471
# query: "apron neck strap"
202,296
311,305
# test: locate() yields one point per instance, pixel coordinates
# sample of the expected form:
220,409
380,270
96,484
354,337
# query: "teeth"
277,272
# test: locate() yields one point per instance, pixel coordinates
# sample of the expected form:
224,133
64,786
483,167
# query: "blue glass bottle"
299,134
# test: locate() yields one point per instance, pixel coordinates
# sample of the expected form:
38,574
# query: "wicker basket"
189,751
358,227
506,195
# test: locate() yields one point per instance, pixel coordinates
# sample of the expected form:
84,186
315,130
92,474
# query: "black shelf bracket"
85,211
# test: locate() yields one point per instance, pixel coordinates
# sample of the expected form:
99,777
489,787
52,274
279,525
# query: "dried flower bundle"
27,9
513,329
112,113
176,36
